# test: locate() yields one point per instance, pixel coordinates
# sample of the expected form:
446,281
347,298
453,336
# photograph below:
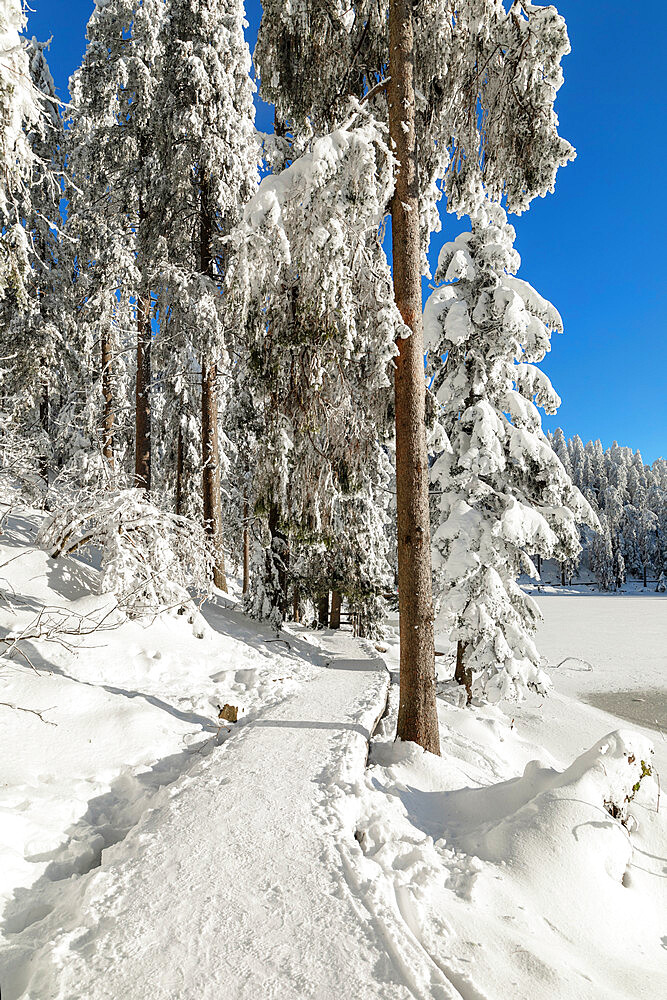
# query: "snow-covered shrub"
151,559
503,492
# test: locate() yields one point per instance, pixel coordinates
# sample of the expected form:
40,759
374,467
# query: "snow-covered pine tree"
20,111
612,506
472,56
30,300
659,499
316,292
559,445
36,332
504,492
243,425
111,159
578,462
359,567
208,169
631,496
641,526
602,556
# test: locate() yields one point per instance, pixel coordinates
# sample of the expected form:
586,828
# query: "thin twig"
32,711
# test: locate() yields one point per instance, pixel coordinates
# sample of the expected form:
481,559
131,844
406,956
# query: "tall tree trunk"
246,546
178,504
142,449
280,548
211,473
209,426
323,610
462,675
336,604
562,574
44,422
107,395
417,713
142,437
645,568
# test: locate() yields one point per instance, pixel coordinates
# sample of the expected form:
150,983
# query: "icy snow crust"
142,857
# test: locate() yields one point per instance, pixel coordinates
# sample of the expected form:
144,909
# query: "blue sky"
595,247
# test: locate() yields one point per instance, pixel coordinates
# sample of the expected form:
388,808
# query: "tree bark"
44,422
246,546
178,503
280,549
142,439
107,395
417,714
323,610
461,674
209,427
336,604
211,473
142,436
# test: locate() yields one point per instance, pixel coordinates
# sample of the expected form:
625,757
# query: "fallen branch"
589,668
55,625
32,711
279,640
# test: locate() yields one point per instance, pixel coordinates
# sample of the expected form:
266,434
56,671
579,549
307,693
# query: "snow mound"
546,822
547,884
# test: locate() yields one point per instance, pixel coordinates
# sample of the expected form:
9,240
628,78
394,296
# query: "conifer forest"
325,668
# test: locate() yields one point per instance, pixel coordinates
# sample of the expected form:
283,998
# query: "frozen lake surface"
647,708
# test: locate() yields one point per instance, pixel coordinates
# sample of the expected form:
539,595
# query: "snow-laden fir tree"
486,80
243,427
359,567
473,113
31,307
640,532
208,169
34,333
504,493
559,445
111,157
602,556
20,110
315,289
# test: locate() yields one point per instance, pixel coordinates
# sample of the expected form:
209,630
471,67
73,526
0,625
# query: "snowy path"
231,889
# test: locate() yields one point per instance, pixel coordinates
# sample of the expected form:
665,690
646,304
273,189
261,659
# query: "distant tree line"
630,500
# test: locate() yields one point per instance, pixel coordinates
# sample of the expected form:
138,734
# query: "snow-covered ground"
498,866
144,856
125,711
